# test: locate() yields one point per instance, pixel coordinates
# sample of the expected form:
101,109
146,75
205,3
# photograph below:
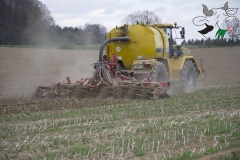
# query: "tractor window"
169,34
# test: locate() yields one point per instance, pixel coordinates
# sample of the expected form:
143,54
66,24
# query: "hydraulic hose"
108,41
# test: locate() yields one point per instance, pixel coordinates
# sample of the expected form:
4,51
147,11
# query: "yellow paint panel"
143,42
165,43
175,65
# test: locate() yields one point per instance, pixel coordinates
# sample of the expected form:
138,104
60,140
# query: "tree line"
211,42
29,22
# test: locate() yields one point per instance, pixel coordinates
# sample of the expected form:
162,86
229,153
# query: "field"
200,125
75,47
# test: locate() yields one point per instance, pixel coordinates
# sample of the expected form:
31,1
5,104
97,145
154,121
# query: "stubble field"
204,124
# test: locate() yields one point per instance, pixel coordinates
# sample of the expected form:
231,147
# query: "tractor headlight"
187,51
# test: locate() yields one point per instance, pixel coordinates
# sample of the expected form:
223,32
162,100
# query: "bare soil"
221,64
23,69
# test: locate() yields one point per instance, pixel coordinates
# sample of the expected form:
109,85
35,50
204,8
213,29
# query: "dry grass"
184,126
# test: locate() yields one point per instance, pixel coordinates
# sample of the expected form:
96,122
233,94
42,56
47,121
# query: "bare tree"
142,17
25,22
29,22
95,33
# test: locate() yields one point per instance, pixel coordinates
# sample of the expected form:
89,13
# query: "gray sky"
110,13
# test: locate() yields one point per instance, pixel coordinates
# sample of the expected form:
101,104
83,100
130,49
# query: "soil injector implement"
140,61
107,82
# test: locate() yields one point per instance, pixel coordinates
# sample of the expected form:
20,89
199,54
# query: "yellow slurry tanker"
140,61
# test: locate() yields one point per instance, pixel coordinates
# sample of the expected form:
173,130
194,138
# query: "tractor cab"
174,50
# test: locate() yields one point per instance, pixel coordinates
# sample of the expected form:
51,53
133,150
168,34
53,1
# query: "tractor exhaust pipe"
108,41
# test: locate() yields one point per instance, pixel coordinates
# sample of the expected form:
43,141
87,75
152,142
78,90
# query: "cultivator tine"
154,94
42,91
50,93
92,93
131,93
144,94
66,90
39,92
106,92
79,92
121,91
134,92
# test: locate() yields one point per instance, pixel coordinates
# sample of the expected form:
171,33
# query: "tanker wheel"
159,72
188,76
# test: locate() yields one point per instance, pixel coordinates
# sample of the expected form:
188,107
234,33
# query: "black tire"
159,73
188,76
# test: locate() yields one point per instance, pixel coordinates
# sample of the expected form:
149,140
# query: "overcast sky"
110,13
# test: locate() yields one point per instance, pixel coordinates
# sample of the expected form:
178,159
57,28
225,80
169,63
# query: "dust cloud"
23,70
175,88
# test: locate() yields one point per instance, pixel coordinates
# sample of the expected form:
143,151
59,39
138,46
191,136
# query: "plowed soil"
221,64
22,70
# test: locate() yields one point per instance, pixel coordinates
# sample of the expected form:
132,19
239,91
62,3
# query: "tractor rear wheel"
188,76
159,72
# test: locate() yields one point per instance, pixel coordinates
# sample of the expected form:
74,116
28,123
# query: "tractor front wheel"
188,76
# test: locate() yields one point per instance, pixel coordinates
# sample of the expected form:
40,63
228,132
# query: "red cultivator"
109,80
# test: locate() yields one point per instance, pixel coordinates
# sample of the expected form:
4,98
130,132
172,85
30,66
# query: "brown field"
204,124
23,69
221,64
